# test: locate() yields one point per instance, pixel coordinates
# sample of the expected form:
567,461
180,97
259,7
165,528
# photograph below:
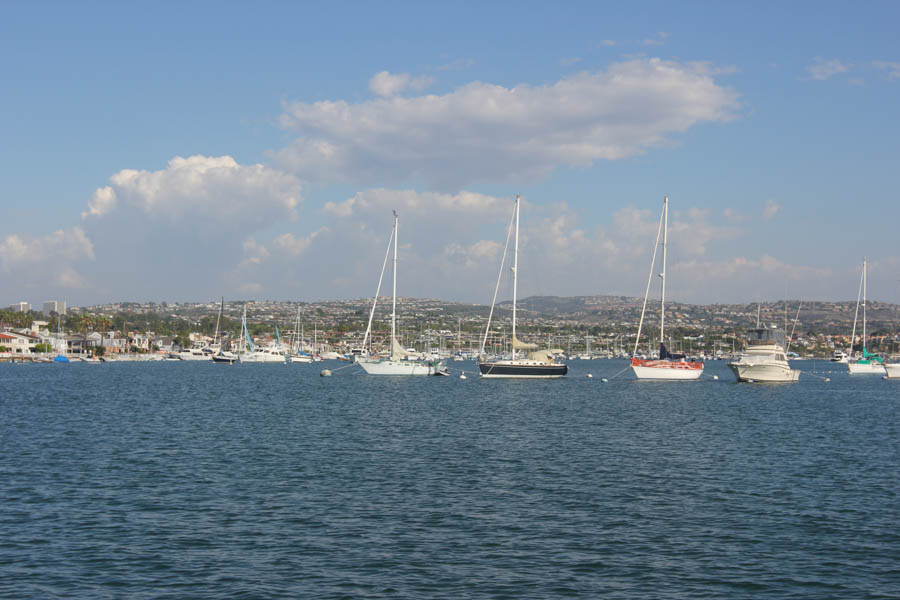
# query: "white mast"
515,280
637,340
662,314
865,283
216,336
394,307
487,328
244,333
387,253
856,314
297,335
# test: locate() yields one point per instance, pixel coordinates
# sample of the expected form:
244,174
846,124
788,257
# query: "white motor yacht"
193,354
765,359
267,354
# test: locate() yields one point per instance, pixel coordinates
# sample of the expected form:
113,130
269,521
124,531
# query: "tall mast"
637,340
515,280
662,313
218,318
865,283
245,335
394,307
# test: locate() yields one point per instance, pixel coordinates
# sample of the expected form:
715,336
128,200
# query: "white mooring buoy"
715,377
605,380
463,375
325,373
589,376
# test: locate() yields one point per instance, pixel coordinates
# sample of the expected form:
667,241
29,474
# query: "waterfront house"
20,343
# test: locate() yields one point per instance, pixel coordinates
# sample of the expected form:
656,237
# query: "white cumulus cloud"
485,132
822,69
770,209
388,84
61,245
202,191
46,261
295,246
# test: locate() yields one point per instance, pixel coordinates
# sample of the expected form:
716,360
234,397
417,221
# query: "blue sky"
183,151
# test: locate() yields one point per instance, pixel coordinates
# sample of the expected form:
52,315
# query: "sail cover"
517,344
664,353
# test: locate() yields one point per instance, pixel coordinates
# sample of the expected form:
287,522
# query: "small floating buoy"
589,376
463,375
827,379
325,373
605,380
715,377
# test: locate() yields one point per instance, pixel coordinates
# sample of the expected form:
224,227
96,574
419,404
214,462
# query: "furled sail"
517,344
665,354
541,356
397,351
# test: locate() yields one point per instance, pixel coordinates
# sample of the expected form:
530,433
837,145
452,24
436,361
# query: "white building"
20,307
57,306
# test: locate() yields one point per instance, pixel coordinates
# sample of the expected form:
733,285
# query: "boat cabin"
762,336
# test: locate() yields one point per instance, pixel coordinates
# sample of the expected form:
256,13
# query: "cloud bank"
489,133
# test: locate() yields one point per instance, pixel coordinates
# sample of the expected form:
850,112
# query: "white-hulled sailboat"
670,367
866,363
220,355
251,353
537,363
399,361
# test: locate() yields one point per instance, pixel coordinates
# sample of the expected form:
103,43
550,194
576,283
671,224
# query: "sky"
183,151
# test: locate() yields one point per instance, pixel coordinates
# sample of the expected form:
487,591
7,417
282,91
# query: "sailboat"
867,363
60,345
399,361
672,367
297,355
537,363
220,355
251,353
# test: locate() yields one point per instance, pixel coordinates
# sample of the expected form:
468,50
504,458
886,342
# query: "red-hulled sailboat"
668,366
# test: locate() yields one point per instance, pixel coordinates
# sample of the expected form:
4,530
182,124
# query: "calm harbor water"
189,480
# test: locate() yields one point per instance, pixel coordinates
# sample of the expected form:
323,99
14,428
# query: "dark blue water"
187,480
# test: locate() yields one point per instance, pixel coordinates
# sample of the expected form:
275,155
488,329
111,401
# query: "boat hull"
261,357
764,373
892,370
508,369
666,370
185,356
226,358
872,368
396,367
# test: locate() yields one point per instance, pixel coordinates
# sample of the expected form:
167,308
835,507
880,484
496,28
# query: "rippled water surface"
188,480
